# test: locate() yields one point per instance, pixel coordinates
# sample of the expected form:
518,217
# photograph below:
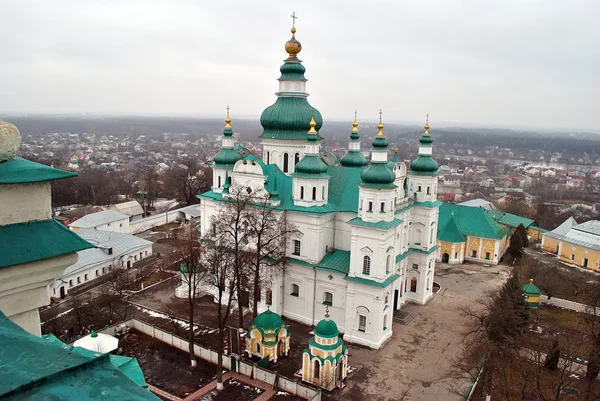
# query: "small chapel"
268,336
325,362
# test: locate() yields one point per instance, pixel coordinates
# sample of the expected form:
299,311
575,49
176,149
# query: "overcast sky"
507,63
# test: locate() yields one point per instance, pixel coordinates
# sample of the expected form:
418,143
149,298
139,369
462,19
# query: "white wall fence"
159,219
243,367
566,304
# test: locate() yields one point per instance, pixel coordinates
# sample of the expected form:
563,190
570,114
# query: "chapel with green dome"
268,336
325,361
366,224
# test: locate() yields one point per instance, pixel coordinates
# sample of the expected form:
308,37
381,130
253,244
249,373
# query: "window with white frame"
296,247
362,323
387,264
295,291
327,298
384,322
367,265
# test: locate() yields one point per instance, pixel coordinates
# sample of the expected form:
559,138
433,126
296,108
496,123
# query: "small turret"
354,158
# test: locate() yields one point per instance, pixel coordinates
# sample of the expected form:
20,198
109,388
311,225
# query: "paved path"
416,363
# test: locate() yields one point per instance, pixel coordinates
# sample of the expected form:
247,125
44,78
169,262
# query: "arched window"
257,348
314,194
367,265
317,370
219,182
296,158
269,297
387,264
387,298
413,285
323,193
268,157
327,298
229,180
301,192
295,290
285,162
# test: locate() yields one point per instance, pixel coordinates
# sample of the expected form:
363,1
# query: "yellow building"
469,233
574,243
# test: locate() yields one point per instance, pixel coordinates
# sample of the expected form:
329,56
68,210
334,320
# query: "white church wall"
25,202
367,301
333,283
374,244
343,231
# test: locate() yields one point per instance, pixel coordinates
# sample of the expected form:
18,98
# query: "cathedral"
366,241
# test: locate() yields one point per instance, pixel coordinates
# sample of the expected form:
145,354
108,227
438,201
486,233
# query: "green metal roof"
472,221
425,251
37,240
354,158
335,260
531,289
130,368
292,70
311,165
289,118
424,164
374,283
327,328
378,175
227,156
22,171
384,225
44,368
508,219
450,232
268,320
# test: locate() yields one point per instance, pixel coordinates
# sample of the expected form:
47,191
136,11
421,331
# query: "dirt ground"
234,390
415,364
166,367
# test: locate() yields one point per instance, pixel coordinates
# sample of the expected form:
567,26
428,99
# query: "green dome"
531,289
292,71
327,328
227,156
426,139
311,164
378,175
380,142
289,118
424,164
354,159
268,320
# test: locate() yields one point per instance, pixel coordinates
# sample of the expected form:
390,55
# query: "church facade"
367,229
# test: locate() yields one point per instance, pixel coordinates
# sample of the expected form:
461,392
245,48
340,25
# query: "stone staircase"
403,317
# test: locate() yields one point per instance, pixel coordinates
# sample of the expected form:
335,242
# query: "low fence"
246,368
566,304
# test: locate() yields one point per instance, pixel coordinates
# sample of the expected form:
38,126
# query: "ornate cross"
293,19
380,113
227,110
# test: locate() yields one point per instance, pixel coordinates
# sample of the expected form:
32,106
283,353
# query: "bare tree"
218,263
269,233
121,284
233,229
185,181
192,273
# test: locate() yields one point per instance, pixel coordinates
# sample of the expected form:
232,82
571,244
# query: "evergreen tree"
515,248
523,234
553,356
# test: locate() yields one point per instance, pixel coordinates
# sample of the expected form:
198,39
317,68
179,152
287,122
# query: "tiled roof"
37,240
98,219
472,221
22,171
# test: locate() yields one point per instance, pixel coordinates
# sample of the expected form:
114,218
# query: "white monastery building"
368,228
112,250
108,220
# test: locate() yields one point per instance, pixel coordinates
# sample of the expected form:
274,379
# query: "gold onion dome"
292,46
380,141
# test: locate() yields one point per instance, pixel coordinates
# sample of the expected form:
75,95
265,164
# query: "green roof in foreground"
37,240
531,289
44,368
22,171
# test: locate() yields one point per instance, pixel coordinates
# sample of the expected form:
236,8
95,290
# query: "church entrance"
413,285
233,364
445,258
396,293
62,292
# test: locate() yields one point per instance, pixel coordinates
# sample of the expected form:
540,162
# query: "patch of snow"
574,376
282,393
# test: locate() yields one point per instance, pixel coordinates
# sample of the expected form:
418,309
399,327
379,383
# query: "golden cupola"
292,46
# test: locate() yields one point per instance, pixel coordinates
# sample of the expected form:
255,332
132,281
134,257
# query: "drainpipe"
314,295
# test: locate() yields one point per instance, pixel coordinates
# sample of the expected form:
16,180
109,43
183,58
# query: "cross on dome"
294,19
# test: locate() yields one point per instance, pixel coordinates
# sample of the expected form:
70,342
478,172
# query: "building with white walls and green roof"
367,228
